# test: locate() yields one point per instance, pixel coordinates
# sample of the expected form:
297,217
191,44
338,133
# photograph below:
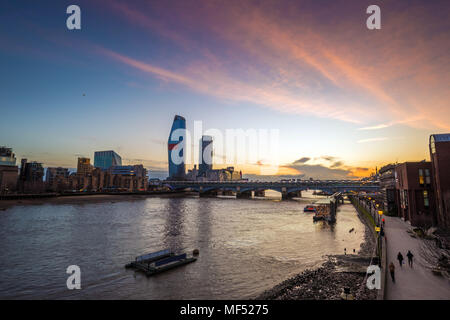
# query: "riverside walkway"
410,283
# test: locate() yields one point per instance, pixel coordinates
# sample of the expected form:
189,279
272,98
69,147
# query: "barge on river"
159,261
325,209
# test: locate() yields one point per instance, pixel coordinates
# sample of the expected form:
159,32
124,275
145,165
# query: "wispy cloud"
377,127
372,139
293,68
217,83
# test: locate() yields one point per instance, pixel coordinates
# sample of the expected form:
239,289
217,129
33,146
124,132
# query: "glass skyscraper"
106,159
206,154
177,167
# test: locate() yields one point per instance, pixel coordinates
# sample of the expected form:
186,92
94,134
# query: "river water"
246,246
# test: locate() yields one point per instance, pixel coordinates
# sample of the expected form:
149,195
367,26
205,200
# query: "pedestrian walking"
410,258
392,271
400,258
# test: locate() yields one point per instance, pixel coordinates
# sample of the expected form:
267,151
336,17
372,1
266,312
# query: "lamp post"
372,209
377,205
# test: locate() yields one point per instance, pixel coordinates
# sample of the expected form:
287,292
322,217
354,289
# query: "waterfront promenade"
411,283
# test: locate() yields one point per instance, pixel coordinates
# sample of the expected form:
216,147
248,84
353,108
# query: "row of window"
424,179
404,199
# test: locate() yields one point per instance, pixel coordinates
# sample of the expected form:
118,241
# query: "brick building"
415,193
116,178
57,179
440,164
8,178
387,184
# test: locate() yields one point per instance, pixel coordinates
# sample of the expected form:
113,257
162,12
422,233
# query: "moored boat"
150,257
160,261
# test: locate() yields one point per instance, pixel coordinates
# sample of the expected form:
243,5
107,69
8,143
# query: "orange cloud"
292,65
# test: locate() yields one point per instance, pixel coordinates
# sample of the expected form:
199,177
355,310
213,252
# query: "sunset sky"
344,98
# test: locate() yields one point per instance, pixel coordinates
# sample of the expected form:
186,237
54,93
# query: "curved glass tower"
177,167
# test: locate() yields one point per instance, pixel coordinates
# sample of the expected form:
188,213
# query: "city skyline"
345,99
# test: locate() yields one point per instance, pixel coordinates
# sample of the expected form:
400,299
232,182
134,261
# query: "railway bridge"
288,189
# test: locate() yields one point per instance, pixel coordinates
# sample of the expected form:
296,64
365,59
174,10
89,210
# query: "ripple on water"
246,246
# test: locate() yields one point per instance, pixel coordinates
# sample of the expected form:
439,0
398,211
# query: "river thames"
246,246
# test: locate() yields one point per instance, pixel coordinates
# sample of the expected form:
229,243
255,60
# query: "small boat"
309,208
159,261
149,258
169,263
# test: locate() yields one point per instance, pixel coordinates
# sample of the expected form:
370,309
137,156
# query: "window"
426,201
421,178
432,145
427,176
406,198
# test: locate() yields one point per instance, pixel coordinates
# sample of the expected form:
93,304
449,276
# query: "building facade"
8,179
57,179
115,179
7,157
227,174
386,176
415,193
440,164
31,177
106,159
206,155
84,166
176,149
8,171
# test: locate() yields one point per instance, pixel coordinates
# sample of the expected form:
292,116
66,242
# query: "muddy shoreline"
328,281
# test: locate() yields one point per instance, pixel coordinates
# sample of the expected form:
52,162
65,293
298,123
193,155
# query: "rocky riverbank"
329,280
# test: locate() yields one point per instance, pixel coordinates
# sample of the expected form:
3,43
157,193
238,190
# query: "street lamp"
380,213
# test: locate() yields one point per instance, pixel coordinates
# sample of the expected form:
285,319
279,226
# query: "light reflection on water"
246,246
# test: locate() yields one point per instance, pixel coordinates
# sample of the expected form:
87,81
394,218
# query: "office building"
106,159
440,165
31,177
8,171
206,155
176,149
116,179
57,179
7,157
127,178
84,166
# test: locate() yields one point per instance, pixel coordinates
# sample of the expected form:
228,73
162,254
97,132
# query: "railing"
380,251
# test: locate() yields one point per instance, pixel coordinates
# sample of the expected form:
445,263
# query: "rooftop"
442,137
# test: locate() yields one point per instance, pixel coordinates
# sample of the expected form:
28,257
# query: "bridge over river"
288,189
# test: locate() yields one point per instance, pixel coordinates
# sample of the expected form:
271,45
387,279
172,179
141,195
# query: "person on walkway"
400,258
392,271
410,258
